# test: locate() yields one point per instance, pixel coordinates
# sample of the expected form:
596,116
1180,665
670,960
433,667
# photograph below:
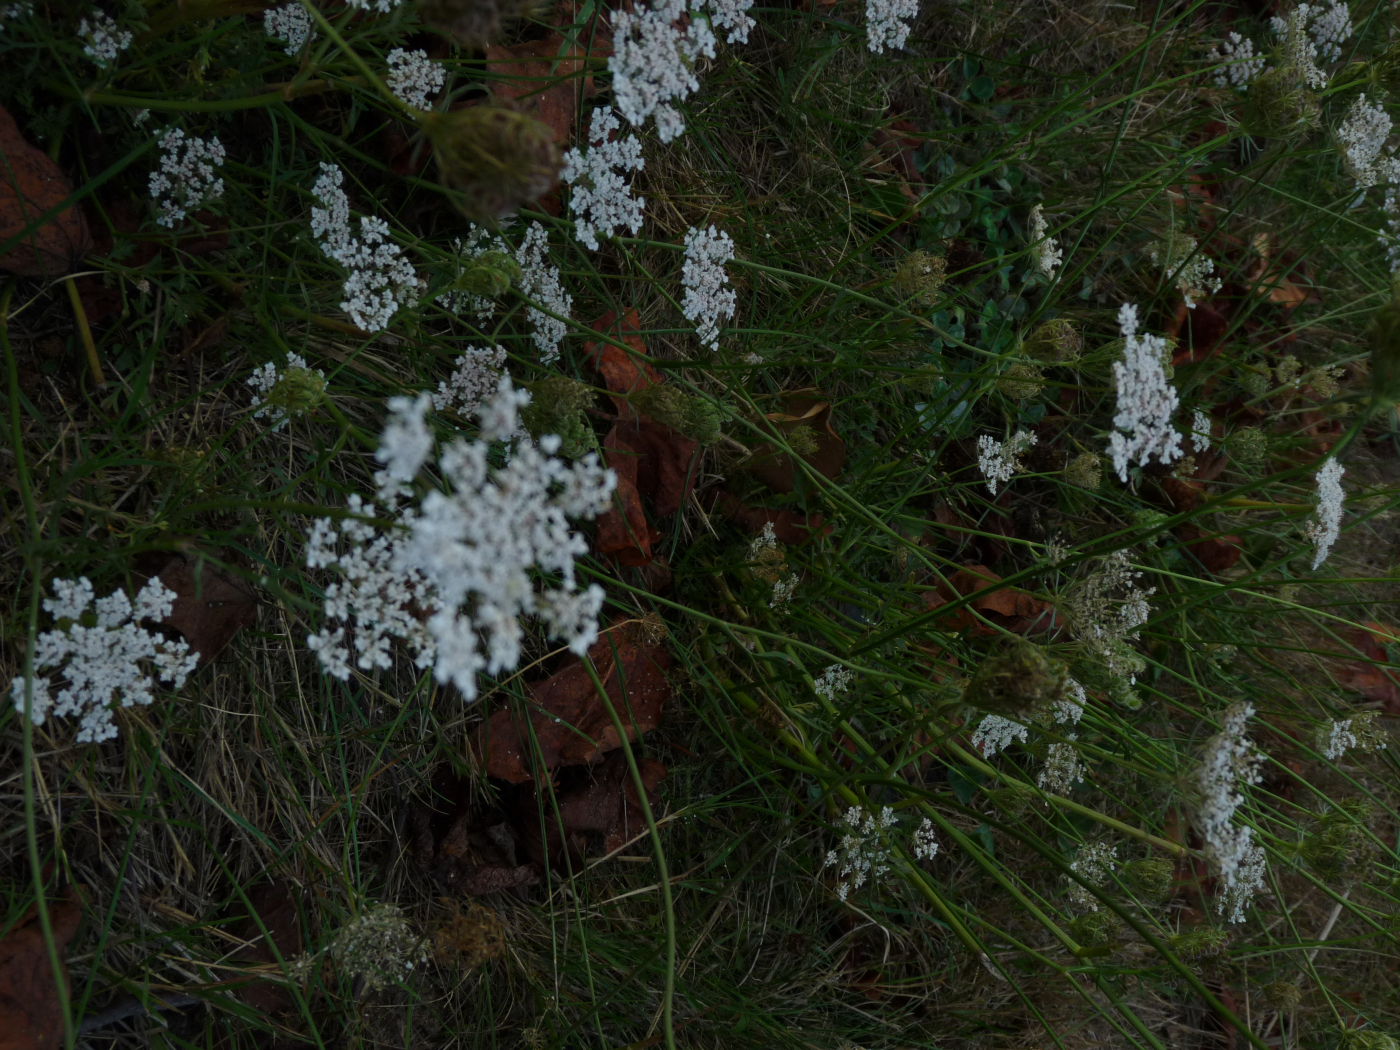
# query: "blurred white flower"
102,40
1326,526
1230,759
186,178
728,14
1095,863
539,280
707,295
102,659
1062,769
1186,267
382,7
1146,400
602,200
1361,138
1200,431
863,853
887,23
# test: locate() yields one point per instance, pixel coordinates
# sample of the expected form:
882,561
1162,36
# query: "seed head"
1055,342
1018,681
497,157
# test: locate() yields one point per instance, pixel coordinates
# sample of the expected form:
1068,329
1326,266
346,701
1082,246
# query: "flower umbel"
1044,248
102,40
863,854
601,200
1324,529
186,176
290,24
1146,400
887,23
707,295
413,77
1230,759
539,280
1238,62
477,376
653,63
102,652
283,394
1000,461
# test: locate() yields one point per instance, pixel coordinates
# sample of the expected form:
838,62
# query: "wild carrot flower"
539,280
653,63
1070,708
102,40
995,733
378,946
728,14
11,12
601,200
380,280
291,24
707,295
455,575
1300,47
1361,140
413,77
887,23
1328,27
1062,769
1185,267
476,378
100,649
185,179
1146,401
1238,62
1000,461
1360,732
863,853
1105,609
1095,863
382,7
1230,760
284,393
834,681
1324,529
1200,431
922,843
485,269
1044,248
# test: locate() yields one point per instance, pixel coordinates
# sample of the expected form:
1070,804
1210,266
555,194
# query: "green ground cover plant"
820,525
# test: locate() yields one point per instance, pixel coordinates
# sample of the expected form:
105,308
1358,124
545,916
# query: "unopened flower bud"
1054,341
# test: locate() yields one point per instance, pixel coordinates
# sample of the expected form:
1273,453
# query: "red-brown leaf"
209,607
776,469
31,184
569,723
599,800
543,80
622,373
1008,607
1377,684
30,1017
274,903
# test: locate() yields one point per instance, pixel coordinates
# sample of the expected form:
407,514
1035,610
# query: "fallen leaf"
789,526
593,801
566,718
621,372
1007,607
776,469
542,79
274,903
1215,553
30,1017
1374,676
1199,332
31,184
623,529
209,607
651,460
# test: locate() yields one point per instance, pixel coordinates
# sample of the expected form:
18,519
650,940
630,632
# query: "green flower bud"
1020,381
919,278
1203,942
1018,681
1085,471
1055,342
488,275
1150,879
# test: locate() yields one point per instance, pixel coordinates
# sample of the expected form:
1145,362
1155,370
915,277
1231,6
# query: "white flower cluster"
707,295
101,659
1324,529
1328,27
602,200
539,280
1062,769
413,77
291,24
1185,267
863,854
1095,863
478,376
186,177
995,733
382,7
479,241
923,843
1200,431
455,576
1000,461
1238,62
1071,708
1230,759
1361,138
887,23
653,63
102,40
10,12
276,390
380,279
379,946
1300,47
1339,739
834,681
1106,609
1360,732
1045,251
729,14
1146,400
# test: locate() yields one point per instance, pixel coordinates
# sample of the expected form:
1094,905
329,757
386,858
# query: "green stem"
360,63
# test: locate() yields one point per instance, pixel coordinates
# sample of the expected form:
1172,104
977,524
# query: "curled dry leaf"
568,721
592,801
210,607
30,1017
31,184
1007,607
776,469
275,904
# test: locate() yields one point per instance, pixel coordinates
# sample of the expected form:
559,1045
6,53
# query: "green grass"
263,766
